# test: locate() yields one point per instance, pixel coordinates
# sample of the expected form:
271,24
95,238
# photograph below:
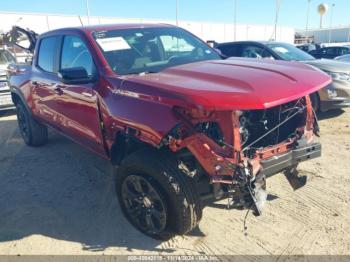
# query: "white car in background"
6,58
343,58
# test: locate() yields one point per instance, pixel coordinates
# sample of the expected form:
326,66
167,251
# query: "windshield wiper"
147,72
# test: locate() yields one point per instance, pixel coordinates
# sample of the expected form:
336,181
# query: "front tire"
157,197
33,133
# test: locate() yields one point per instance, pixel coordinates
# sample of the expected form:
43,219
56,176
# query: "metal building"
220,32
327,35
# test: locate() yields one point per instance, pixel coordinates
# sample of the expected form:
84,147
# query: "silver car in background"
337,94
343,58
6,58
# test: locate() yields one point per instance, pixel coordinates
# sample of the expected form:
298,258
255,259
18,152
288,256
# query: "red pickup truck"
180,124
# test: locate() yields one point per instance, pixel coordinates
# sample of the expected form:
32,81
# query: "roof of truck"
94,28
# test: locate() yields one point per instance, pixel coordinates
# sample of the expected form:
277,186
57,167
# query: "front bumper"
290,159
338,103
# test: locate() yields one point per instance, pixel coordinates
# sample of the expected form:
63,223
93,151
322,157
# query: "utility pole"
307,21
235,18
330,24
278,5
87,11
177,12
47,23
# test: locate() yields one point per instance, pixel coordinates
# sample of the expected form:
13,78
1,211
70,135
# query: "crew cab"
181,125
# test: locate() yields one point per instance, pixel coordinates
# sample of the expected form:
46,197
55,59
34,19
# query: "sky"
292,12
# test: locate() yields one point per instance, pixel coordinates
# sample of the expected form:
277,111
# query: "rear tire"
33,133
172,192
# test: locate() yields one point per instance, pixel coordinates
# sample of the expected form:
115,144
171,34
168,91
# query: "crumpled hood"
330,65
231,84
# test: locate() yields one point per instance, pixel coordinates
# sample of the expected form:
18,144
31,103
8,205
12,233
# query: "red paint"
208,90
232,85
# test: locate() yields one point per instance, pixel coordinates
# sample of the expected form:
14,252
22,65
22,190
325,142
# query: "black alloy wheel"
144,204
23,123
33,132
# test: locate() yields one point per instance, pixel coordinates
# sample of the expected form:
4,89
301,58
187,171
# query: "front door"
77,104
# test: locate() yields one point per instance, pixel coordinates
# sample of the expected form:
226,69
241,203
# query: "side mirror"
75,75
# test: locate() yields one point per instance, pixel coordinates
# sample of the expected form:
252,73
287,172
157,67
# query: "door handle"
58,89
86,94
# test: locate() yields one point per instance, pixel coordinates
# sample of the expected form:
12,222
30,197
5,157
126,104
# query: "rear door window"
47,54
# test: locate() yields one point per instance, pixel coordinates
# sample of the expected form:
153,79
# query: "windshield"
6,58
289,52
149,50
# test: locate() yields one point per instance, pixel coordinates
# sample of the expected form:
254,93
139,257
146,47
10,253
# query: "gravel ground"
59,199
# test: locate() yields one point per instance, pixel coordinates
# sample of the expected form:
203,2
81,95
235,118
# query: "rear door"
77,104
44,79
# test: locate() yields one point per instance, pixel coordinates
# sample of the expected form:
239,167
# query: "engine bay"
262,128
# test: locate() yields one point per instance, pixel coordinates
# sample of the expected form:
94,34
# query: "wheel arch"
125,144
17,97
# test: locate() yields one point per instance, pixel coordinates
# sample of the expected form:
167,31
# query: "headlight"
331,92
339,76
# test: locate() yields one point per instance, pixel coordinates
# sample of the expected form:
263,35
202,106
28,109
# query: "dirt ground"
59,199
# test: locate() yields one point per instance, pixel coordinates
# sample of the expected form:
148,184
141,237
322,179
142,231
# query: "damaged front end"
237,150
